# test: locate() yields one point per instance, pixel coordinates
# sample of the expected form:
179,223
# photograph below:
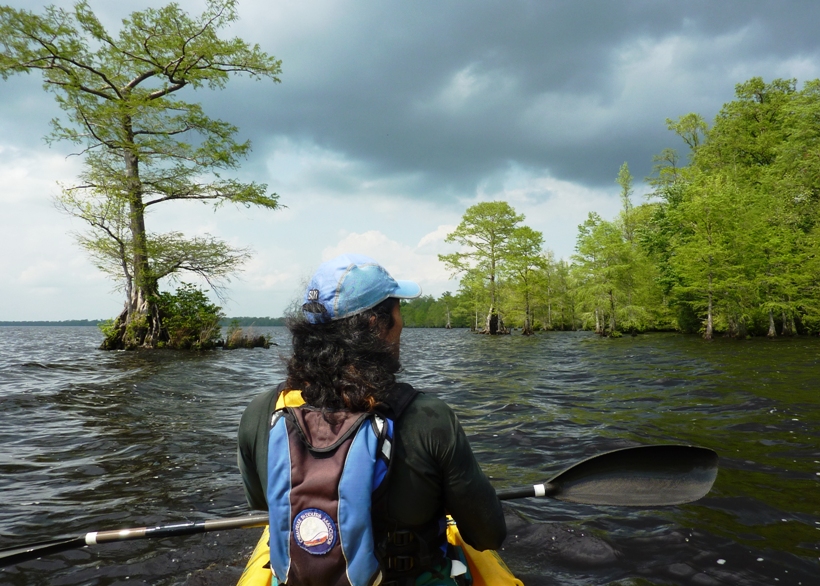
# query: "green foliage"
234,329
107,327
135,326
616,283
523,269
428,312
490,239
691,128
191,320
733,234
560,305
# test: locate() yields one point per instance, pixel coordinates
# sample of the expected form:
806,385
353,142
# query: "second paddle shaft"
189,528
536,490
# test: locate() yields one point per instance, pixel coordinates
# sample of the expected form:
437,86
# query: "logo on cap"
314,531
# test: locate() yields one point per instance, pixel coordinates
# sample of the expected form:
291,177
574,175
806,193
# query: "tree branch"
166,91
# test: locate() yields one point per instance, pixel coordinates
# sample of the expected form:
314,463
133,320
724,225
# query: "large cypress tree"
142,145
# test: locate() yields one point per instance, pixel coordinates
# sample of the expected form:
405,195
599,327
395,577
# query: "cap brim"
406,290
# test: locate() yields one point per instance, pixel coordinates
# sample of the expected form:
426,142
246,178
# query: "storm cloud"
456,91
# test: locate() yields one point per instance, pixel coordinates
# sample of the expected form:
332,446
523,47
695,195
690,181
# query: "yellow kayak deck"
486,567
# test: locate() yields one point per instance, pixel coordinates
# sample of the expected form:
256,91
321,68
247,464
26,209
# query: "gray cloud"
452,92
551,85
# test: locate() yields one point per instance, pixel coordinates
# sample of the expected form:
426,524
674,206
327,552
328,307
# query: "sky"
392,118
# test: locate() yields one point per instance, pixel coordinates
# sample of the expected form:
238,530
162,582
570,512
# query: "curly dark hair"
344,364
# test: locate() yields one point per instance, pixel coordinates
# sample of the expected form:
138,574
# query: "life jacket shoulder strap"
324,432
383,430
398,398
289,398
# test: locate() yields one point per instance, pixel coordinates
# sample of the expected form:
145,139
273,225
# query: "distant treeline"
65,322
428,312
243,322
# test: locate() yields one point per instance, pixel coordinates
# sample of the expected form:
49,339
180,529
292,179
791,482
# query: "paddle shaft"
175,530
536,490
32,551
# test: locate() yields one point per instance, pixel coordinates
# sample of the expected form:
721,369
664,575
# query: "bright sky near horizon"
392,118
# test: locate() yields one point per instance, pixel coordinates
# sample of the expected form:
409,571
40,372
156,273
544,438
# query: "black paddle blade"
32,551
644,476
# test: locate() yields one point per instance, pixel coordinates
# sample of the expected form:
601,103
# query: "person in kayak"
346,350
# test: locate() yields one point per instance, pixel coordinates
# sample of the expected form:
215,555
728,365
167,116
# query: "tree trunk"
527,331
492,322
742,330
612,311
598,329
772,330
731,330
140,324
709,323
502,329
448,325
495,325
786,328
492,316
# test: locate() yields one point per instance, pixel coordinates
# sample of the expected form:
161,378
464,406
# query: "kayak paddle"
648,476
32,551
642,476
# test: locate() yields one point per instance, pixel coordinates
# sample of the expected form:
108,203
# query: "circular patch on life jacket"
314,531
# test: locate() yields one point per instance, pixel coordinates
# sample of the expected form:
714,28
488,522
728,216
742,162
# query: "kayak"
486,567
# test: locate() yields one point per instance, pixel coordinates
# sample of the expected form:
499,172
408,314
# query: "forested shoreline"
726,242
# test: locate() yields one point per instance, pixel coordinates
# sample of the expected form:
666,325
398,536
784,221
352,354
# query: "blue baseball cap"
350,284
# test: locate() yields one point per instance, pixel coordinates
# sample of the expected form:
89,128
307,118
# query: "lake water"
94,440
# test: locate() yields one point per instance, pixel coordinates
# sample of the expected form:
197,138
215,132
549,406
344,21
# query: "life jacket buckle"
400,563
401,538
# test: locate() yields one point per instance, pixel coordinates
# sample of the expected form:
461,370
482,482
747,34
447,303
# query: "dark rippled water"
92,440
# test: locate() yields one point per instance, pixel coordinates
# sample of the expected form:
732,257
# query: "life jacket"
327,497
